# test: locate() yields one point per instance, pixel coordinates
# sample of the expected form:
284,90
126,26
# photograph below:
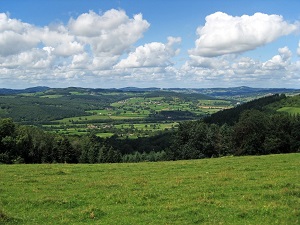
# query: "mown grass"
230,190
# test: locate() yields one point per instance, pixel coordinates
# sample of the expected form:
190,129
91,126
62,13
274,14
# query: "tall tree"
250,132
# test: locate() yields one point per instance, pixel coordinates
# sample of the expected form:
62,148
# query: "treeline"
28,144
255,133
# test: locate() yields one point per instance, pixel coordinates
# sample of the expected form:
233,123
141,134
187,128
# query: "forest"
257,127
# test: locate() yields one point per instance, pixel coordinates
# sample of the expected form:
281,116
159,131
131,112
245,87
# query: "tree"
7,127
7,140
295,134
226,147
65,151
279,134
192,141
250,132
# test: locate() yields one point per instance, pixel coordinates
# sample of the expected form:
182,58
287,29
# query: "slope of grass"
231,190
290,110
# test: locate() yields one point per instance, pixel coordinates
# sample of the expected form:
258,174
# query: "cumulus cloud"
98,49
231,70
15,36
245,65
226,34
79,61
109,34
105,35
280,61
153,54
85,45
206,62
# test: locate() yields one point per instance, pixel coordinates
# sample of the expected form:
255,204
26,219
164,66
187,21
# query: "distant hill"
6,91
230,92
136,89
243,91
213,92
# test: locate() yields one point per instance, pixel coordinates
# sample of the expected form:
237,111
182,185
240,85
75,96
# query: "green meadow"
229,190
290,110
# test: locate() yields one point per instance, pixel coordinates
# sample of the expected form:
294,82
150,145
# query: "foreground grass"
231,190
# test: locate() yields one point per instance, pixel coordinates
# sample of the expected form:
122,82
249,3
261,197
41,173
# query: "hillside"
230,190
7,91
231,116
268,104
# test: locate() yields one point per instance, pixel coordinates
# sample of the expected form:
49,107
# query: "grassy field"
230,190
290,110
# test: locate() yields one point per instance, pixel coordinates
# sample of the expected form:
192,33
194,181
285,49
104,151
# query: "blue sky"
183,43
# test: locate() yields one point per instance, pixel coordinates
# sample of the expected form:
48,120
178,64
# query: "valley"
126,113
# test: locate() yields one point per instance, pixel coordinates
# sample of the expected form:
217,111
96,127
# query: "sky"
150,43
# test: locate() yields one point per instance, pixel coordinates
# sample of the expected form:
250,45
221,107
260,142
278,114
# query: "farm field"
122,129
229,190
77,111
138,116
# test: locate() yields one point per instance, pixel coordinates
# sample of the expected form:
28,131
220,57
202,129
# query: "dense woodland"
254,128
41,110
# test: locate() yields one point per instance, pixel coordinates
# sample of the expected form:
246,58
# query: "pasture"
229,190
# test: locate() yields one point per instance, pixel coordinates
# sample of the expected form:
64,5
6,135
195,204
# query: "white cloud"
103,62
245,65
206,62
15,36
225,34
33,59
58,55
280,61
88,44
68,49
109,34
228,70
63,43
80,61
94,50
153,54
